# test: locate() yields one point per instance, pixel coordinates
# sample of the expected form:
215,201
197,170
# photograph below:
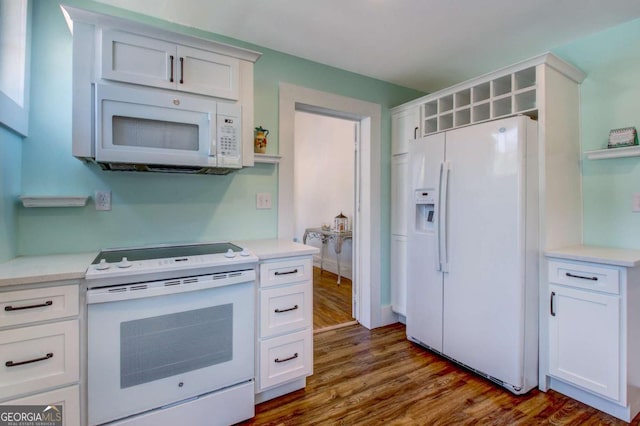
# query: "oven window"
163,346
142,132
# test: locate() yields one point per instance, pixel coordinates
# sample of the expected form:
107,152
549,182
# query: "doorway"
367,221
324,194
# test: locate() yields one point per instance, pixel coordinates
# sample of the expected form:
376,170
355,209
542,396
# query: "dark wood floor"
377,377
331,302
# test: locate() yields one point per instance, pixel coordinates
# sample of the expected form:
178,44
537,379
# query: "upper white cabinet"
149,61
405,125
109,50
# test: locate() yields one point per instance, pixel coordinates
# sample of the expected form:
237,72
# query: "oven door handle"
166,287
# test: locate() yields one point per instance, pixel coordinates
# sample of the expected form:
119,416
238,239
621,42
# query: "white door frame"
366,271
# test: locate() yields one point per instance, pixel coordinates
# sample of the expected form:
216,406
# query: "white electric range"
171,335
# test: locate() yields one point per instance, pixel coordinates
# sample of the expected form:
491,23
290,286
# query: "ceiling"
422,44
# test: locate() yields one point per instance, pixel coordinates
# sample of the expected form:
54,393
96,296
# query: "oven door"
149,352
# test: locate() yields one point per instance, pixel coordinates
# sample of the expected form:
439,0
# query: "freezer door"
424,279
484,285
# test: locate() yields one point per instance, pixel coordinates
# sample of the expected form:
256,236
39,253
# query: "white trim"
368,222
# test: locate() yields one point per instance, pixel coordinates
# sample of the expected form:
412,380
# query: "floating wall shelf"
602,154
53,201
266,158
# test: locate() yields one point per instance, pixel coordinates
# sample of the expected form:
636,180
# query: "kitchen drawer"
53,350
286,358
286,271
285,309
587,276
27,306
68,397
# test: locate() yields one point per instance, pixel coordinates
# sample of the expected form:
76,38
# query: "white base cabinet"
593,332
284,355
584,339
40,348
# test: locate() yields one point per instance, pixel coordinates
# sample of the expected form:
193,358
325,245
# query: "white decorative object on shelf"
602,154
266,158
53,201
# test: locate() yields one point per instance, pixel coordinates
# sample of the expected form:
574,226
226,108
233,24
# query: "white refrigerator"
472,292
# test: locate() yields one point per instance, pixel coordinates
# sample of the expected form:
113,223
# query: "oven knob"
103,265
229,253
124,263
245,252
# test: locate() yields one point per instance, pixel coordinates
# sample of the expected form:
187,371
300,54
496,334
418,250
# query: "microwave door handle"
212,145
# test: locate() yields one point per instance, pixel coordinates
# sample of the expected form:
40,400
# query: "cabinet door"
38,357
399,274
285,309
207,73
405,125
140,60
68,397
285,358
399,194
584,339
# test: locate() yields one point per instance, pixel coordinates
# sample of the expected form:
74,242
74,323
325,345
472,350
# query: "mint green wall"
159,208
10,161
610,98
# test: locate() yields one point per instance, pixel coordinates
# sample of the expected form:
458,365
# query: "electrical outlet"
263,200
103,200
635,206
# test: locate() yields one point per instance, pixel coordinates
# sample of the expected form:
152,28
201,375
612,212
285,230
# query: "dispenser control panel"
425,197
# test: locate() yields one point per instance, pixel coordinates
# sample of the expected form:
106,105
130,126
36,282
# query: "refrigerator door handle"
442,223
437,228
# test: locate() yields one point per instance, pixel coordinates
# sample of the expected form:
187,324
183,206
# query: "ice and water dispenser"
425,202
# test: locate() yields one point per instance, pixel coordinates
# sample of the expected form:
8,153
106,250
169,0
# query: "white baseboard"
332,266
387,316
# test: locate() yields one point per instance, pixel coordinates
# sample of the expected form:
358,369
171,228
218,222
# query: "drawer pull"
294,356
15,364
19,308
551,307
279,311
569,274
294,271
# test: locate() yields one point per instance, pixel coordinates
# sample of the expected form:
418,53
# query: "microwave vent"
130,167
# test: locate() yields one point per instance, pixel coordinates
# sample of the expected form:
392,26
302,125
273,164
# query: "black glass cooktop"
164,252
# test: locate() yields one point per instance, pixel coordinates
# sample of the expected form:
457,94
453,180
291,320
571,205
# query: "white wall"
324,179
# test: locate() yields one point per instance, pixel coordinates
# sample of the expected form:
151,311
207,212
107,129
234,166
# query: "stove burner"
164,252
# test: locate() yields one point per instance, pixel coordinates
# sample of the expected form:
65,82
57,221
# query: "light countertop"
606,255
274,248
38,269
60,267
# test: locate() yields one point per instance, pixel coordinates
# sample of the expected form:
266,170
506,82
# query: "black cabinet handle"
294,271
581,277
294,356
19,308
415,133
279,311
15,364
171,78
181,70
551,307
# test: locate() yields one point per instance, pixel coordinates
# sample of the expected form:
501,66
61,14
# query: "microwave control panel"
228,139
229,136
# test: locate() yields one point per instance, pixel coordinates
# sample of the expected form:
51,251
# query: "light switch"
635,207
263,200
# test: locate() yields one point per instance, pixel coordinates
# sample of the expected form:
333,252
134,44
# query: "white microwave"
150,129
